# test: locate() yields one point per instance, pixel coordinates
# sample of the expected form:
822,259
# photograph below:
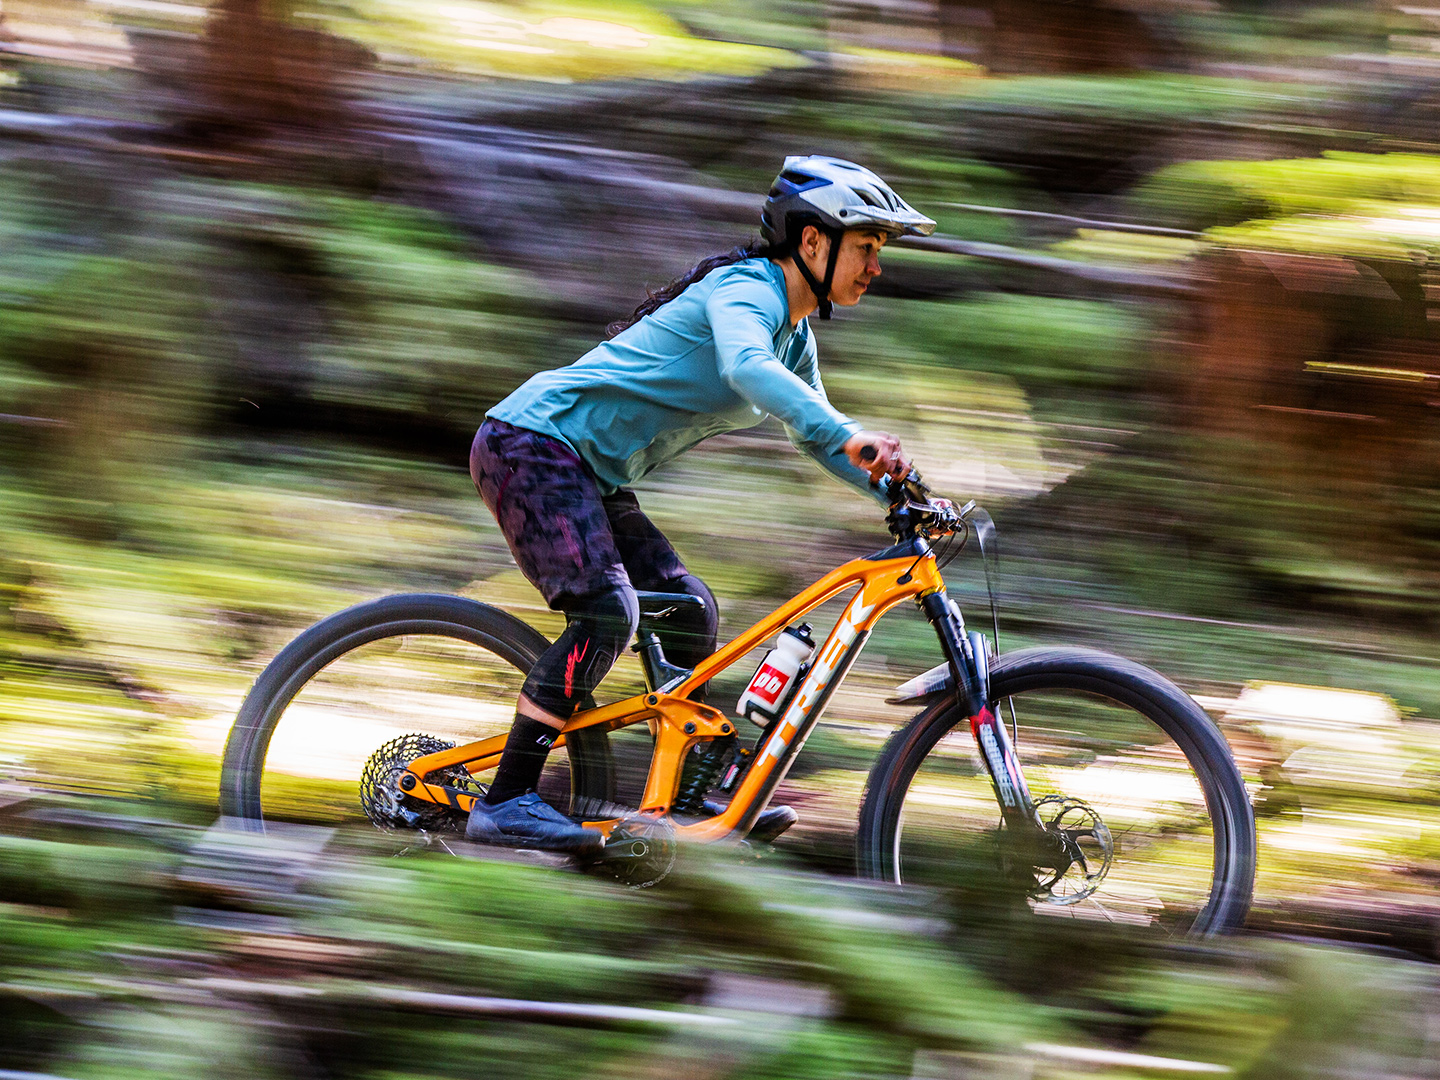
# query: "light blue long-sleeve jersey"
717,358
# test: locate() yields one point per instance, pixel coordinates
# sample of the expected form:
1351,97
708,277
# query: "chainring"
1084,852
389,808
640,852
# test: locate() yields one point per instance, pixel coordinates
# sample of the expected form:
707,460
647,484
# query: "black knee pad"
609,616
599,626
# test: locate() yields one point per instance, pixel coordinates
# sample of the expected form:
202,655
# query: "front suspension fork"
970,668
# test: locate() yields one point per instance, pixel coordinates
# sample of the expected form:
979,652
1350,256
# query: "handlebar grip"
868,454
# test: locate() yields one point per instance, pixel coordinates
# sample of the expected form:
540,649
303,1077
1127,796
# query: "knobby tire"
436,614
1121,681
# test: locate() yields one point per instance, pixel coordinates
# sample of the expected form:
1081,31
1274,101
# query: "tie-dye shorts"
568,539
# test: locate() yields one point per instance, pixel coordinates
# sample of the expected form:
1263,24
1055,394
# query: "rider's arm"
835,462
745,314
838,466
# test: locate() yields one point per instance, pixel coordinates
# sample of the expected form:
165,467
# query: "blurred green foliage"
157,972
564,41
1205,194
1143,96
1363,358
228,297
1055,348
1271,33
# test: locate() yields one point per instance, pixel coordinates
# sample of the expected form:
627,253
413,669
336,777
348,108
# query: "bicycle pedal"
769,825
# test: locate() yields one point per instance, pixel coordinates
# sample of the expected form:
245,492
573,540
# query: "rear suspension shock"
697,777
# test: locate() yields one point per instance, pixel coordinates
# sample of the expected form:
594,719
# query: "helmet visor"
905,222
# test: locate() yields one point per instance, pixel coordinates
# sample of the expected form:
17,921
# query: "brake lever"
903,493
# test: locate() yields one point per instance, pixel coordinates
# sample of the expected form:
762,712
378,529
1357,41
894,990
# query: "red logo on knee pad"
576,655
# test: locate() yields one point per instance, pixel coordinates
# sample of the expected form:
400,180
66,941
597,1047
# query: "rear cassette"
389,808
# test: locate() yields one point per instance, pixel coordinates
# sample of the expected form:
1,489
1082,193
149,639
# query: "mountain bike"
1113,794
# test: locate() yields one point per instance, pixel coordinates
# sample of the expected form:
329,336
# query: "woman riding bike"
715,351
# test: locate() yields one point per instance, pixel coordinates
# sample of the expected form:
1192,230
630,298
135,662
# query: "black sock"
525,753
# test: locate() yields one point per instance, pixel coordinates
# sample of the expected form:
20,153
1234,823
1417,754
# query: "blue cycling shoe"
528,821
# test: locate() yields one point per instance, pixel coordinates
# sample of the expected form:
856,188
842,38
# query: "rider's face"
856,266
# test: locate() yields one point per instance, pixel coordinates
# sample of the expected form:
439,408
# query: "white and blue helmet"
834,195
837,195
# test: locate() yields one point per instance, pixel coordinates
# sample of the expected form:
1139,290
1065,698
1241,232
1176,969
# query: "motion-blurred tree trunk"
1051,36
260,79
1311,377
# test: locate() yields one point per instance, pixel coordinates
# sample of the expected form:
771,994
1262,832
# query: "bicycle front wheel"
1119,759
328,718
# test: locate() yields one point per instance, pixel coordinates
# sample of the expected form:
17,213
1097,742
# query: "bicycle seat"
657,605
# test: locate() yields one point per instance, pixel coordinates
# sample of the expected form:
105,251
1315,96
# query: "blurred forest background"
265,263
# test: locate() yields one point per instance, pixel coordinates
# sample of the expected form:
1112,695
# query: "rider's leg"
549,509
687,635
599,626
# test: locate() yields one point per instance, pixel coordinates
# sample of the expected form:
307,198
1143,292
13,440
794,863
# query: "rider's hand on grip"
877,453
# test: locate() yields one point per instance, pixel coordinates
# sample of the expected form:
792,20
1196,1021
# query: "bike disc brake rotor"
389,807
640,852
1082,851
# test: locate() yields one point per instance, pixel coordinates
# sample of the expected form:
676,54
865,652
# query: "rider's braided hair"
753,250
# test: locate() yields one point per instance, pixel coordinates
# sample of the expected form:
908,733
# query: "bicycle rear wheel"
442,666
1119,754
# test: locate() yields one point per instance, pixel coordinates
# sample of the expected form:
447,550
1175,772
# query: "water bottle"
777,677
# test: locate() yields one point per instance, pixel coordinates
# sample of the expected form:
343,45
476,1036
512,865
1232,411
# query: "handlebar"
914,509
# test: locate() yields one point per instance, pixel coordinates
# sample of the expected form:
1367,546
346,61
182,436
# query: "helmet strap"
821,289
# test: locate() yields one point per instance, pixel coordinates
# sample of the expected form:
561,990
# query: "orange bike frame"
681,723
